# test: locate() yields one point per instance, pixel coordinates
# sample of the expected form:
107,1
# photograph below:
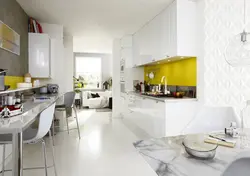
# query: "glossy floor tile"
105,149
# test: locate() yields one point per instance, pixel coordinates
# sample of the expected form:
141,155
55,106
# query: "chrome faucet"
164,78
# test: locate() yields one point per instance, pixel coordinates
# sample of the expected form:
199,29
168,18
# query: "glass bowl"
196,147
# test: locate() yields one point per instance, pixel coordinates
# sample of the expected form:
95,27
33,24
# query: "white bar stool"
33,136
68,104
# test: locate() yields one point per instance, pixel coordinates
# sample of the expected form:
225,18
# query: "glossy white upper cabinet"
39,55
171,33
136,49
186,25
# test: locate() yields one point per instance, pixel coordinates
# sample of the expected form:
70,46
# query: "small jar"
27,78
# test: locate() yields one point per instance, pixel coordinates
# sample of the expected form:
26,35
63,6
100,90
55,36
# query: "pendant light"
238,49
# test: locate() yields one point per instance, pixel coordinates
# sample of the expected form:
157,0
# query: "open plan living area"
124,88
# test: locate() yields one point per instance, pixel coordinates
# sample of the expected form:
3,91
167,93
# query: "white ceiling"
95,23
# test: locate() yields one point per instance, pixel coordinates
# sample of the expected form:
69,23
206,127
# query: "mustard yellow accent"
181,73
13,80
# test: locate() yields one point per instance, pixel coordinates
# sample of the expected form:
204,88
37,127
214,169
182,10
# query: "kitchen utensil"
157,88
27,78
44,90
10,100
232,130
196,147
53,88
24,85
218,138
2,75
151,75
14,101
36,83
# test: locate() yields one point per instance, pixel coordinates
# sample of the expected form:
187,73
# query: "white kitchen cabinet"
179,21
170,34
155,39
136,50
39,55
148,115
154,117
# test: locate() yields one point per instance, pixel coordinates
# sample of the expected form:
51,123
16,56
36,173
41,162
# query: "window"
90,69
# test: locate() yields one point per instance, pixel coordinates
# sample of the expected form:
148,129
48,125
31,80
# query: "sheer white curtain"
90,68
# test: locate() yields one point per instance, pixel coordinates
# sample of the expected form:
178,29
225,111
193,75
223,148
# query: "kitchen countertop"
19,90
167,157
163,99
31,112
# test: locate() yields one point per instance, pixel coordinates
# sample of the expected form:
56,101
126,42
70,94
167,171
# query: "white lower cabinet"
148,115
158,118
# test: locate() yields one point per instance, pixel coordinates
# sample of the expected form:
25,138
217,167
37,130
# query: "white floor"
105,150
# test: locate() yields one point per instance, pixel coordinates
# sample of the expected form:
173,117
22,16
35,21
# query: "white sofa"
100,102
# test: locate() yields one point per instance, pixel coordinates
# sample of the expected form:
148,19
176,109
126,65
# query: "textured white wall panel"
223,84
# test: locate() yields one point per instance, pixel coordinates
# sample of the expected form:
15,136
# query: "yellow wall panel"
180,73
13,80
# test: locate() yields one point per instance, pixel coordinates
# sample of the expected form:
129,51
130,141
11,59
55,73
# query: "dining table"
167,156
17,124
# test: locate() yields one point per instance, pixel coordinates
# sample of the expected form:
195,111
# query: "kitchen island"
156,116
167,157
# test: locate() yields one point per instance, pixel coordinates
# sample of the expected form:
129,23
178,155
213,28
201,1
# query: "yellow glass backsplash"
13,80
181,73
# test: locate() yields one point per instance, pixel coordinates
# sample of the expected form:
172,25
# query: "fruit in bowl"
179,94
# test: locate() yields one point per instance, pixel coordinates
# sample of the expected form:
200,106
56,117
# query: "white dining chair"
33,136
240,166
68,104
210,119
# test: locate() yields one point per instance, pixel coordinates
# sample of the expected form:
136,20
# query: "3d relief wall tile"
224,85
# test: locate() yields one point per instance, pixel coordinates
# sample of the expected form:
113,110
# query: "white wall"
68,63
54,30
106,63
117,101
93,44
223,85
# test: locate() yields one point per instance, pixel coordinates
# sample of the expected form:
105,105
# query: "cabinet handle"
157,101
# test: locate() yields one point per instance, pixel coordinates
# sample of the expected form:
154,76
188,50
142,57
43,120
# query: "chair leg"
67,121
78,128
3,162
45,158
53,154
53,129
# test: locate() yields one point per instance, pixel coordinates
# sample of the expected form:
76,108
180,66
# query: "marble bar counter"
31,111
163,99
167,157
20,90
